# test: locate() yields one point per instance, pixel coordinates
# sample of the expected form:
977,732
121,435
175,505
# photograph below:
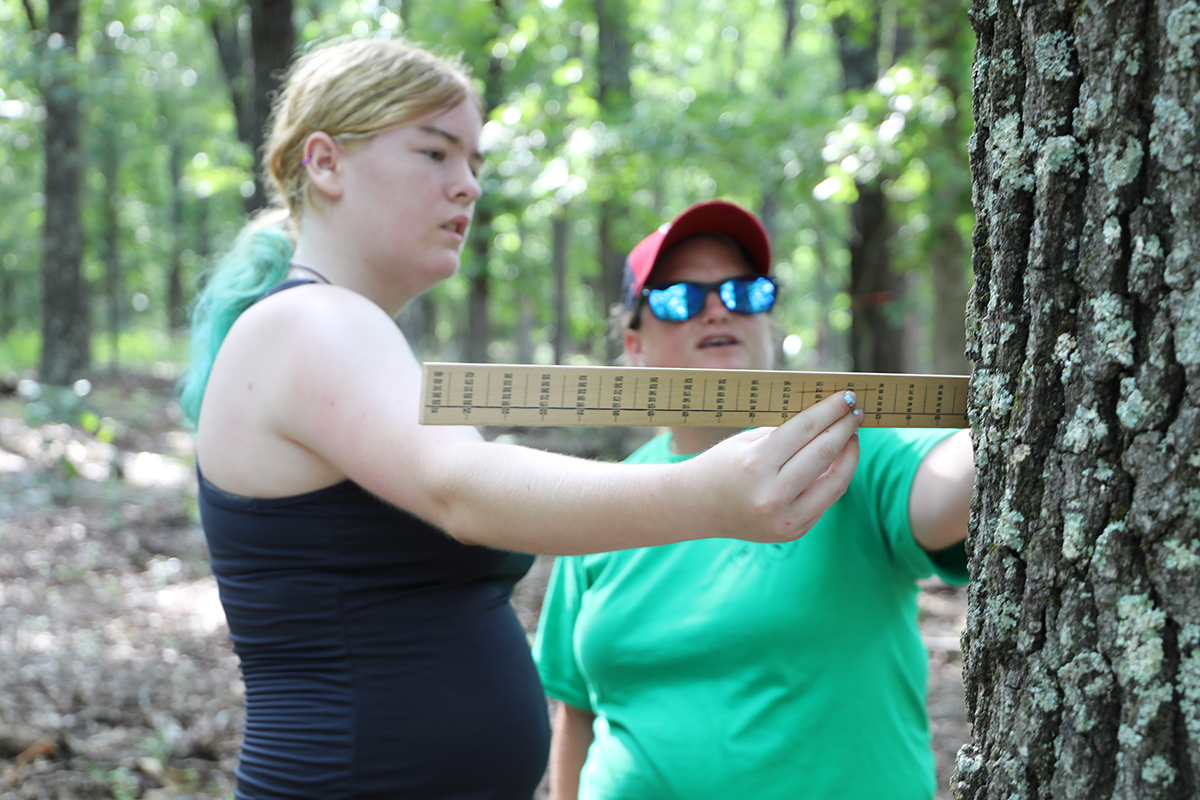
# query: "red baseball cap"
713,216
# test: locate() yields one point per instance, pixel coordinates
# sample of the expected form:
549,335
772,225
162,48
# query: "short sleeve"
554,645
891,458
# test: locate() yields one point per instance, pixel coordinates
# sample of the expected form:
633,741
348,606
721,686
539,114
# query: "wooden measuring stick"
528,395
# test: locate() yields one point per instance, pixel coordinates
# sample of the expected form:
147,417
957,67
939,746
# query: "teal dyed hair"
259,259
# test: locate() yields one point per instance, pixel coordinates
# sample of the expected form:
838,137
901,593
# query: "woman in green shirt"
716,668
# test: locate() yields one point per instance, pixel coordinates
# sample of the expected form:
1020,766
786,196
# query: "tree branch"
33,25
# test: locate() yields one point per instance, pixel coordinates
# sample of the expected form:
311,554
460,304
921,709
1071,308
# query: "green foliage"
718,107
121,781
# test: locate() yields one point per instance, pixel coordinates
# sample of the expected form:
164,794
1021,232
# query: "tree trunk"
479,295
176,306
110,244
272,42
8,292
560,229
613,93
1082,648
479,334
876,340
254,73
945,26
771,203
66,326
238,70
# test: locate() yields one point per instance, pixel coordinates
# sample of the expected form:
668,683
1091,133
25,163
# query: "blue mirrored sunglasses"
679,302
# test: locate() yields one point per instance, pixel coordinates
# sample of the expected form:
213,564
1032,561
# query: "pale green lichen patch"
1181,556
1179,263
990,390
1002,400
1112,231
1128,737
1085,678
1172,134
1009,528
1008,153
1183,34
1005,63
1059,154
966,762
1084,428
1158,771
1129,53
1113,328
1189,681
1052,56
1100,551
1185,312
1121,166
1045,699
1147,255
1093,110
1064,353
1074,545
1133,409
1139,634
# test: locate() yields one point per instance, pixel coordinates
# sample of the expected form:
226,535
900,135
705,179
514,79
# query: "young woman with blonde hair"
365,562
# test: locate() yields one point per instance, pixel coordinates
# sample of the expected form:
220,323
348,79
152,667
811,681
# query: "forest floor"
117,679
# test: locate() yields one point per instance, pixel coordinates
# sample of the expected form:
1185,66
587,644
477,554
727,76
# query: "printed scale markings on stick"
530,395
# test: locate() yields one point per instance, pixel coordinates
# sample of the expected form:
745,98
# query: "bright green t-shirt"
723,669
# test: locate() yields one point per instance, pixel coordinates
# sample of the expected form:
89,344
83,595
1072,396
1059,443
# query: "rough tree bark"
1082,647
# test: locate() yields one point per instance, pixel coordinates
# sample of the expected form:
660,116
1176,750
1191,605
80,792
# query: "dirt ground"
116,676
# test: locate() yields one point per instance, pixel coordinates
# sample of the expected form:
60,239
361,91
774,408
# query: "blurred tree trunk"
109,211
272,43
110,243
253,71
66,323
477,272
1082,648
560,229
613,93
876,340
944,28
8,292
480,283
176,305
770,196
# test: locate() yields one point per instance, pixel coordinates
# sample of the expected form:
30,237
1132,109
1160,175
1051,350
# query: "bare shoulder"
307,386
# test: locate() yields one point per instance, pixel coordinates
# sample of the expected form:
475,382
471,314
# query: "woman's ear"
633,347
323,160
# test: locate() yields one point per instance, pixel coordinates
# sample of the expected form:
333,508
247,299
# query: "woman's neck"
327,264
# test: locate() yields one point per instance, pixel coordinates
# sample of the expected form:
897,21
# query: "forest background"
130,131
843,123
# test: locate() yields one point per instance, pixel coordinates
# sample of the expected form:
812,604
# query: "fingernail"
850,398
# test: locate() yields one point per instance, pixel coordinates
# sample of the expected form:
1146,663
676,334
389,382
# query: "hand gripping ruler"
521,395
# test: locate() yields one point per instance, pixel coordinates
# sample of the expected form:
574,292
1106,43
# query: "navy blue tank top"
381,657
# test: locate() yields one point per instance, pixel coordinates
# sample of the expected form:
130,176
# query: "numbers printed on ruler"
495,394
